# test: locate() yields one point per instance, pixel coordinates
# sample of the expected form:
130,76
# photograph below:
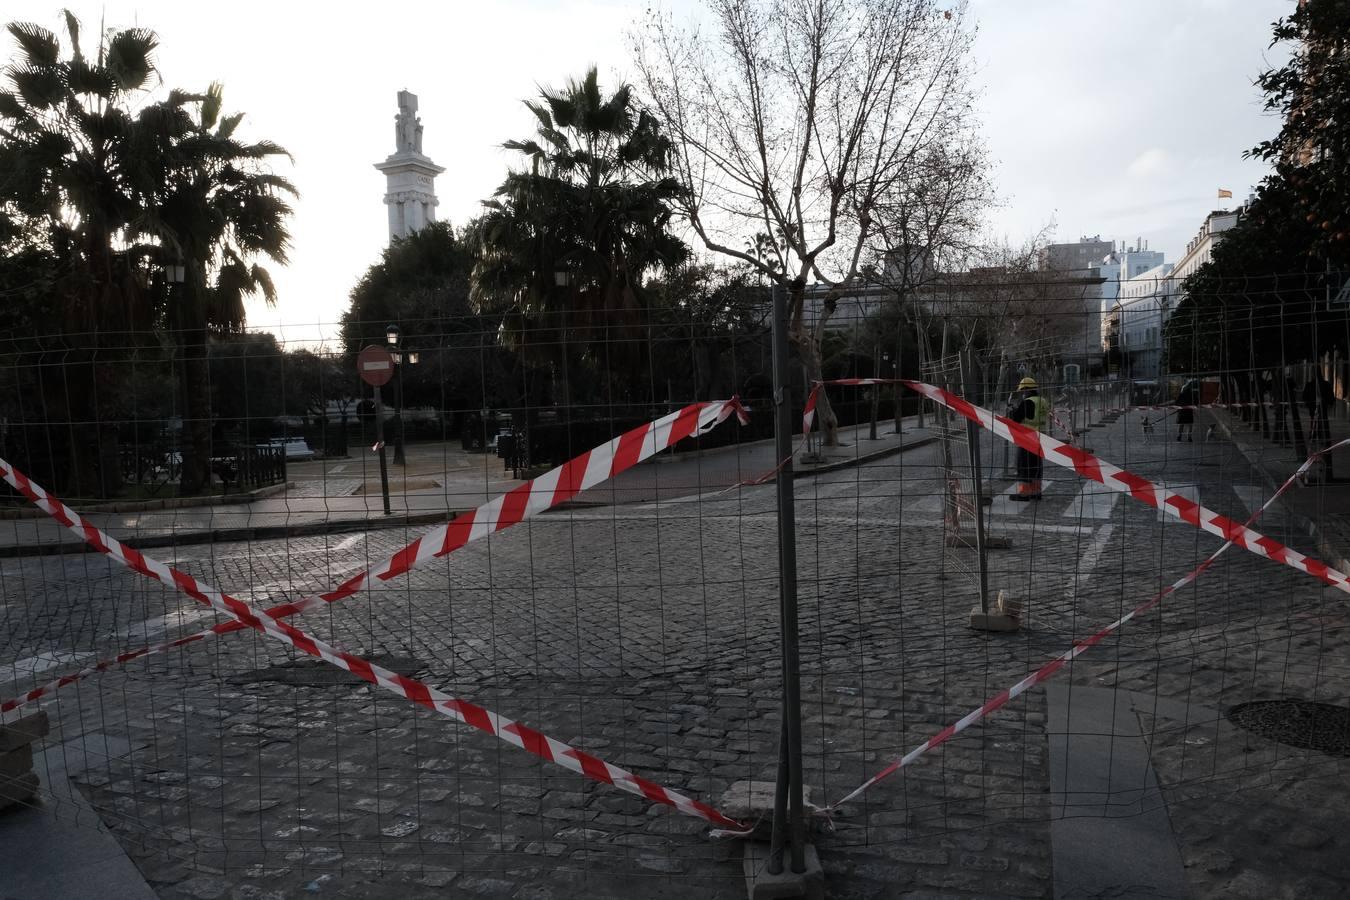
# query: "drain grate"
1297,723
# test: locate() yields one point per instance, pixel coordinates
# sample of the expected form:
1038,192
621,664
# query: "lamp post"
391,338
191,463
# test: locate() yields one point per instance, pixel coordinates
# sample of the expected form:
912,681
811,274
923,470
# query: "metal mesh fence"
633,624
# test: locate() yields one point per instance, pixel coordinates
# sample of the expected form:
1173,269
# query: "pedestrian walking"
1280,397
1187,400
1028,407
1318,397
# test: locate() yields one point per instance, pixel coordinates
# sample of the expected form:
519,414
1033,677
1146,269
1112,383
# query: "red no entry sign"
375,365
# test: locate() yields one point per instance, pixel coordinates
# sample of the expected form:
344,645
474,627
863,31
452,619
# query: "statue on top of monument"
407,126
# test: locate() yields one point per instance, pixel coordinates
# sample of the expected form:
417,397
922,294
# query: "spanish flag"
1225,193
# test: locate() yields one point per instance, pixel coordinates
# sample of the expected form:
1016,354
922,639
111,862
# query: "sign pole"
375,365
379,443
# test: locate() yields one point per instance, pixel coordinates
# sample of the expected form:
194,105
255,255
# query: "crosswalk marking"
1093,501
928,503
1190,491
23,668
1251,495
1004,505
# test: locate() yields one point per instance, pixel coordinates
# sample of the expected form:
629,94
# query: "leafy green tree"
245,375
421,284
567,240
1261,302
709,332
1312,150
315,384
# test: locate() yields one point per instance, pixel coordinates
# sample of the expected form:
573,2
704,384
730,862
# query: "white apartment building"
1201,247
1137,319
1115,269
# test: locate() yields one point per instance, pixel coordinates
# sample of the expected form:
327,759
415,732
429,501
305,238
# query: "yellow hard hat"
1026,383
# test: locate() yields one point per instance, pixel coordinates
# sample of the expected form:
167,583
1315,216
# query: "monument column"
410,177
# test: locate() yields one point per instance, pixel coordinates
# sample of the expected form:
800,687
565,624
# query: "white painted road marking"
1190,491
1251,495
42,662
1093,501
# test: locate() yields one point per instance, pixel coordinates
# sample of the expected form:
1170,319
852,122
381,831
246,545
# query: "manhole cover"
1297,723
316,672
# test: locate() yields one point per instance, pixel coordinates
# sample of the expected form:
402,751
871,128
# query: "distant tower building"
410,188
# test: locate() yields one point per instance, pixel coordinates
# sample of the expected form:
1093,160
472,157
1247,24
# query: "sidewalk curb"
863,458
1329,552
262,493
247,533
344,526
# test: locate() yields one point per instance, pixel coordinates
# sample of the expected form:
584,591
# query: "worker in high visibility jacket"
1032,410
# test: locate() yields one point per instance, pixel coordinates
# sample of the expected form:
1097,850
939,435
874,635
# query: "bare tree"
797,119
1004,305
928,224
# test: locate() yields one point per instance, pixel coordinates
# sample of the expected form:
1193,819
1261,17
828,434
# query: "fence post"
973,445
918,334
899,373
787,807
876,388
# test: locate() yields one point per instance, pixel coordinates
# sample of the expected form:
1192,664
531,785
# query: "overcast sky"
1115,118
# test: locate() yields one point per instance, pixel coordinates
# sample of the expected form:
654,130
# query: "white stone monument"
410,188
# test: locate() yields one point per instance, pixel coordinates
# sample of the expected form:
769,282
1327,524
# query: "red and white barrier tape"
1059,423
1048,670
625,451
1249,405
1117,479
532,497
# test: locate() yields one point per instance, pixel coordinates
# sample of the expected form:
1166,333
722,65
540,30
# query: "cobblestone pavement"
647,634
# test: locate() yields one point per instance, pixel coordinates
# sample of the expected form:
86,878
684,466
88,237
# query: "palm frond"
263,282
211,103
178,98
41,87
262,149
530,148
129,57
228,125
10,107
73,32
540,113
39,45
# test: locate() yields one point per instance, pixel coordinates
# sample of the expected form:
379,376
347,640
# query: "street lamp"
189,452
392,335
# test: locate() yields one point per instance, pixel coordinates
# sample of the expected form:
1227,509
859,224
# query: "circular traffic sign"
375,365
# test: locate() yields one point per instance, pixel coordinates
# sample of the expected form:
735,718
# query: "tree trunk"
77,387
808,346
196,436
1300,441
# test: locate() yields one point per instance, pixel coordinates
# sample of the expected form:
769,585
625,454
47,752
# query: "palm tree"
113,192
67,141
565,242
217,210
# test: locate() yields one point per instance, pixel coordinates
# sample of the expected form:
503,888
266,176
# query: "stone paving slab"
60,847
1110,830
